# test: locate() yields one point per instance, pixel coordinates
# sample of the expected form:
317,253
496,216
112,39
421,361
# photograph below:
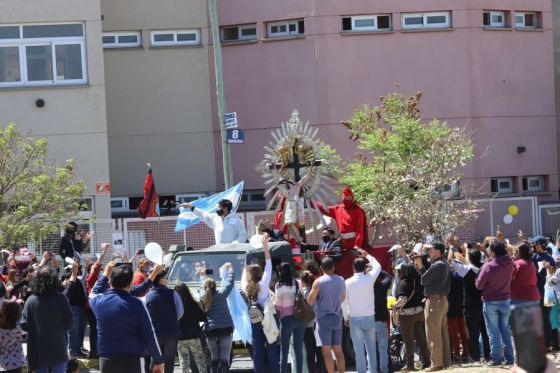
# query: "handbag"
302,310
397,311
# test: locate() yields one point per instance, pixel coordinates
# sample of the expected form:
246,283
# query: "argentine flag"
187,219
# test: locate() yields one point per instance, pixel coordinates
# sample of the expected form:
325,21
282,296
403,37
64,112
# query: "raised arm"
207,218
375,266
228,284
138,290
329,211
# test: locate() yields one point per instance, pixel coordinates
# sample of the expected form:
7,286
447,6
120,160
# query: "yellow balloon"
390,301
513,210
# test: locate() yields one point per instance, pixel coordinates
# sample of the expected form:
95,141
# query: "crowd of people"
452,305
453,301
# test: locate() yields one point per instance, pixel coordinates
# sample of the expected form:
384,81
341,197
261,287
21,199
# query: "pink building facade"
486,64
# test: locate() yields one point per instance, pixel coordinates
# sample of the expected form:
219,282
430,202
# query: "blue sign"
235,136
231,120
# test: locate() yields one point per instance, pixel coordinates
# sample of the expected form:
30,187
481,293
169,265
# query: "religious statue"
295,176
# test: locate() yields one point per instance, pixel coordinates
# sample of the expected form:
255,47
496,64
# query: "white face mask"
22,258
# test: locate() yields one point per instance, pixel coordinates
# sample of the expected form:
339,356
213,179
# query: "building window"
502,185
494,19
367,23
36,55
426,20
239,33
533,183
122,39
173,38
525,20
285,28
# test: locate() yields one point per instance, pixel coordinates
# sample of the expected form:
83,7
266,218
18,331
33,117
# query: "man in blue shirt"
124,328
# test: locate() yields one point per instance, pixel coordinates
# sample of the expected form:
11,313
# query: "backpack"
256,312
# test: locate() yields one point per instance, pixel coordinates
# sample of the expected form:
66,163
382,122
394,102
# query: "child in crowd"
11,338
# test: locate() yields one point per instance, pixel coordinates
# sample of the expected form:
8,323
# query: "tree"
407,169
35,196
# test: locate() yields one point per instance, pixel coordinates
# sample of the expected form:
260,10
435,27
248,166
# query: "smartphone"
121,263
208,271
354,252
528,335
249,259
141,252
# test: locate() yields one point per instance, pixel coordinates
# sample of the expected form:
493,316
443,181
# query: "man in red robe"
350,220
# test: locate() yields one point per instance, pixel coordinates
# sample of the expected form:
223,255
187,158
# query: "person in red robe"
351,221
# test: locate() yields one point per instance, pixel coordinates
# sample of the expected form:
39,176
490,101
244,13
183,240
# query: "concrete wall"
556,33
73,119
499,83
158,100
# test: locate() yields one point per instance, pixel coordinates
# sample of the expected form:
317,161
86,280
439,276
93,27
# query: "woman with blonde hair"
255,283
219,327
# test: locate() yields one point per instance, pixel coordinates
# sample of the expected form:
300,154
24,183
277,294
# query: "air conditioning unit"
535,183
502,185
120,204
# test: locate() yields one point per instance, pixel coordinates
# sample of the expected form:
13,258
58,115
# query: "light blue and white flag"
186,217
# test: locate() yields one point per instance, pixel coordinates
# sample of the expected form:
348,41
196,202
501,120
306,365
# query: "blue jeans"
362,332
496,316
76,334
260,347
54,368
382,337
290,325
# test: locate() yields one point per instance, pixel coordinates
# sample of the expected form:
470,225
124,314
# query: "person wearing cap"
540,257
437,282
166,309
410,307
350,220
494,282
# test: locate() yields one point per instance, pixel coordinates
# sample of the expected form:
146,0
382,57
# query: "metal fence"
549,219
129,234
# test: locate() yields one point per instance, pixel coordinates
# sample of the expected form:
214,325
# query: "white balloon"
256,242
508,219
154,252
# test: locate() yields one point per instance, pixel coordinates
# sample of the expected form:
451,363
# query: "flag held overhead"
187,219
149,207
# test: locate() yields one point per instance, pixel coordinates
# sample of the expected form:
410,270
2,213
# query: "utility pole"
226,156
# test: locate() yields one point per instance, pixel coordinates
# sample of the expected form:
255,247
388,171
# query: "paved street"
244,364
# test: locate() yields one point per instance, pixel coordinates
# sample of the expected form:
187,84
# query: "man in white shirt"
227,226
359,310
